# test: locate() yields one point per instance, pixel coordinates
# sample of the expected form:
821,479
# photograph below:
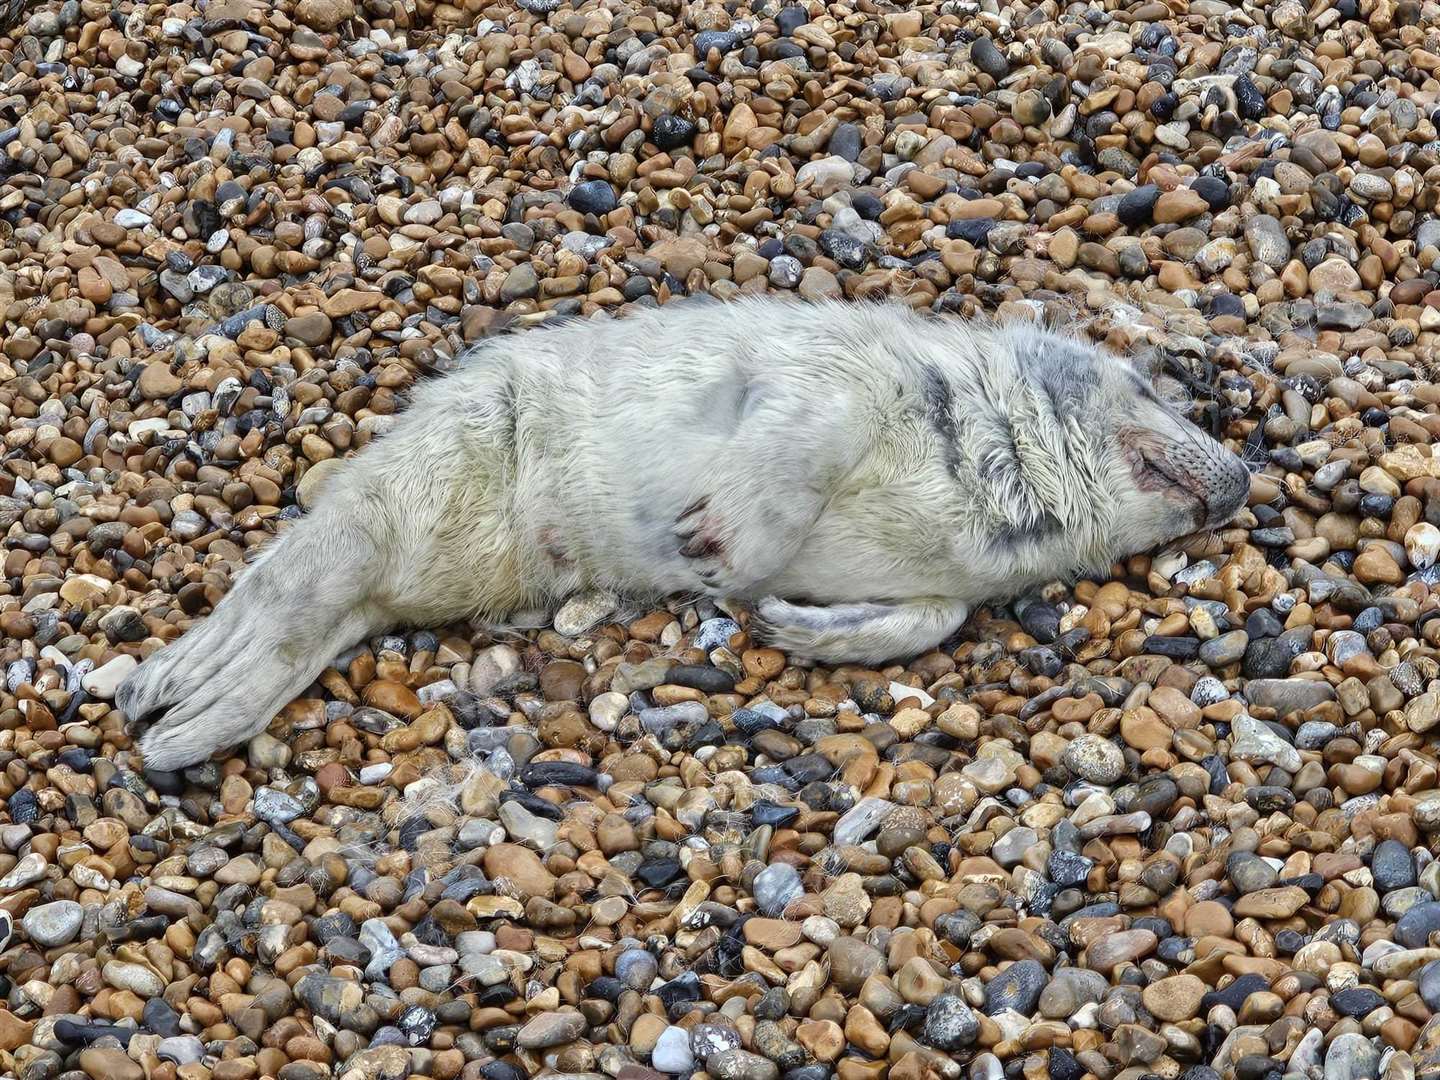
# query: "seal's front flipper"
735,539
859,633
761,469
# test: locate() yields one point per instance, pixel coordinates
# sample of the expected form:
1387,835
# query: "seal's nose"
1228,488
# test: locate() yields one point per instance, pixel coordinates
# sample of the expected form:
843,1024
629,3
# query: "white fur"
837,455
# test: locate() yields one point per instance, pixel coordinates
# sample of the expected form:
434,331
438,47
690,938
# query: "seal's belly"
622,542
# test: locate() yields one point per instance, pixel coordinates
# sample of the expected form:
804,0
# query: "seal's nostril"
1231,489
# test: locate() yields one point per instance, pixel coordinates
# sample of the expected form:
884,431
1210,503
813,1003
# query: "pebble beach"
1178,824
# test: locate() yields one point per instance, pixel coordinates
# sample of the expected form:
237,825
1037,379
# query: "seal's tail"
289,615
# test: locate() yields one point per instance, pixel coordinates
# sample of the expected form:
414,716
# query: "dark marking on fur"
691,300
136,726
1002,460
939,399
849,616
505,399
1046,528
829,618
1203,387
1067,378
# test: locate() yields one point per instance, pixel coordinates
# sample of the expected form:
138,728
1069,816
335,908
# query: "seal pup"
861,474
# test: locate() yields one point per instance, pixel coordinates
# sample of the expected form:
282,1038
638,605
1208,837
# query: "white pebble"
106,679
1422,544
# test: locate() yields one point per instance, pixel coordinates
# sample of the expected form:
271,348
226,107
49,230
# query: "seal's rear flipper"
863,633
291,613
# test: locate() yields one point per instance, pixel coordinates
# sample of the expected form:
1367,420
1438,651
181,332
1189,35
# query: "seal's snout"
1188,466
1228,488
1207,472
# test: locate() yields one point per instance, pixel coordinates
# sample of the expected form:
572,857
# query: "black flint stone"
593,197
907,1018
657,873
1357,1001
558,774
863,203
1289,942
607,988
1173,949
1041,660
1018,987
418,1024
709,733
501,1070
765,812
808,768
1311,883
500,994
1236,994
672,132
24,807
333,925
159,1018
1041,621
750,722
1063,1065
1213,190
1392,866
974,231
1176,648
678,990
68,1031
465,889
1249,97
789,19
708,680
533,803
1067,869
773,774
844,249
411,830
1136,206
1161,928
724,40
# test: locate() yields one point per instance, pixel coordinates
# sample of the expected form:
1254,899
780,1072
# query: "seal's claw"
703,547
693,509
699,539
136,726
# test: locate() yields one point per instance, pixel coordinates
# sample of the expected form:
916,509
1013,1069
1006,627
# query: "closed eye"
1161,469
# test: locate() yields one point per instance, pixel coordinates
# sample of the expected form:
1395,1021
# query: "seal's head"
1168,477
1134,473
1183,480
